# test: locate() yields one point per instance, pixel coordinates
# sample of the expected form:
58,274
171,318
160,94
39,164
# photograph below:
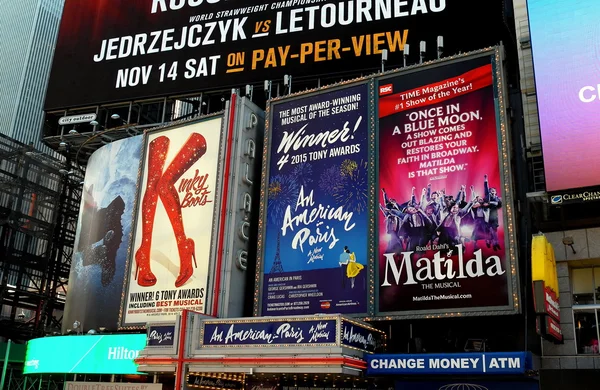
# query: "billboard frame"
213,225
266,161
496,55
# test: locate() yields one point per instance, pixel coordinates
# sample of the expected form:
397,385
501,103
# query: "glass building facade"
28,31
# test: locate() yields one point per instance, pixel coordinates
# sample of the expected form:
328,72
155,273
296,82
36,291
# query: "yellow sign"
545,288
543,263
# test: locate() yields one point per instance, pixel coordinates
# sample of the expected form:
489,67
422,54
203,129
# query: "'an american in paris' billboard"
444,212
566,52
116,50
313,251
172,232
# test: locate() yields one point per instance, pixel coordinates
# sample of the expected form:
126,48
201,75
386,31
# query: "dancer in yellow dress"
352,267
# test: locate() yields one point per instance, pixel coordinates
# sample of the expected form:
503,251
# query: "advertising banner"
361,337
443,206
269,333
89,354
74,119
314,248
450,364
142,48
564,41
161,335
111,386
545,287
213,382
550,328
172,234
102,236
581,196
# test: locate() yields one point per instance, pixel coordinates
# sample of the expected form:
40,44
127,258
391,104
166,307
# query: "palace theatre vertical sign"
545,288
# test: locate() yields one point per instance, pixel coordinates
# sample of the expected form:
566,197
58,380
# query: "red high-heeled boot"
157,154
190,152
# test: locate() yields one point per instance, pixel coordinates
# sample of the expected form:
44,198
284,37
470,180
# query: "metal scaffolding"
39,206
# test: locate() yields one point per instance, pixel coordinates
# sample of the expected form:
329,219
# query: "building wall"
533,141
586,242
586,245
28,31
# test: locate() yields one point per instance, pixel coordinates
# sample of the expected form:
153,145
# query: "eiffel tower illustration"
277,266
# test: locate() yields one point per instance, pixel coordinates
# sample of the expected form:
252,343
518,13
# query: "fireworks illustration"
283,191
330,178
352,189
348,168
303,173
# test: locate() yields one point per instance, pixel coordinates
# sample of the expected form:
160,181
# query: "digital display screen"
566,53
89,354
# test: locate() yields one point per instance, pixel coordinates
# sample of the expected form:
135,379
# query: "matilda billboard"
313,246
172,232
115,50
445,213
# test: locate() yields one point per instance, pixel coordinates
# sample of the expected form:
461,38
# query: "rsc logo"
386,89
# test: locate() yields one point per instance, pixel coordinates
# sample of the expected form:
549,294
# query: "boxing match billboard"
445,220
118,50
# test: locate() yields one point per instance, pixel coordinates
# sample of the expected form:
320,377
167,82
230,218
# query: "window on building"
585,286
